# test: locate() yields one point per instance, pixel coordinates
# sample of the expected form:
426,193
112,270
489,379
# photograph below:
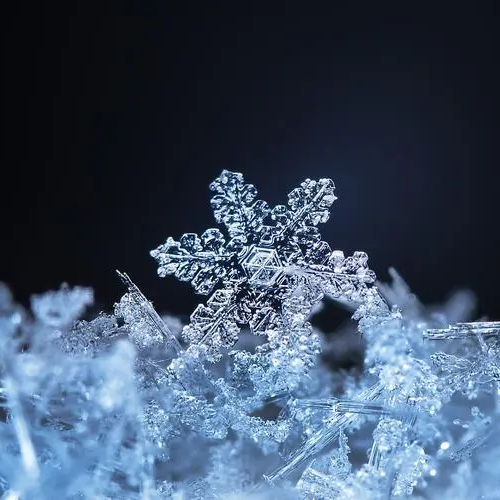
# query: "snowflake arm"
308,205
213,325
202,261
341,277
236,205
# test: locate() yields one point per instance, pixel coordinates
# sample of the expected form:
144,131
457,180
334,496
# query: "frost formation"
243,401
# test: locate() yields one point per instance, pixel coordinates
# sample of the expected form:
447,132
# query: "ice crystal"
120,406
478,362
270,256
146,327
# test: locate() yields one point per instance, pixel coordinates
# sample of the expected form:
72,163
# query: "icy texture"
475,363
59,309
121,407
146,327
270,256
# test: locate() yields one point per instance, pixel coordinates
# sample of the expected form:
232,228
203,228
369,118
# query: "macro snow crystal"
243,401
271,255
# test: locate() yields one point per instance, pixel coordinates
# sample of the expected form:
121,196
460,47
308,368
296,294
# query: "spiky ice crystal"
241,402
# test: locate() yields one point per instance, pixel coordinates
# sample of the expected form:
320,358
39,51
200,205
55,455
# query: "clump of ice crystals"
242,404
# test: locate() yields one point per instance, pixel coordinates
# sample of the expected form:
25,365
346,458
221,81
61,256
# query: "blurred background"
117,119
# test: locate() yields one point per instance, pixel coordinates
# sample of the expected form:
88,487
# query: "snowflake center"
262,265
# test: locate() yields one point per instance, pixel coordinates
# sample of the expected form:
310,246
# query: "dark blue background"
117,119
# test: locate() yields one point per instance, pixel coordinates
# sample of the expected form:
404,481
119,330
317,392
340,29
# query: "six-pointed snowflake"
270,255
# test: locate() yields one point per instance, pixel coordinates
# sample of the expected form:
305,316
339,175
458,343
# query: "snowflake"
270,255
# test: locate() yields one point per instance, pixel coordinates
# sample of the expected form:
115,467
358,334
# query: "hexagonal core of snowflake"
262,265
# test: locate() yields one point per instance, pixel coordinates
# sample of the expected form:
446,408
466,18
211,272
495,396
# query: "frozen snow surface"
241,402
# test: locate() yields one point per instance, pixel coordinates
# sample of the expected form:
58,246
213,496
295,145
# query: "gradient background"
117,119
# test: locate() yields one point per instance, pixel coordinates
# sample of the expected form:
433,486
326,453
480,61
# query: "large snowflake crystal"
270,255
